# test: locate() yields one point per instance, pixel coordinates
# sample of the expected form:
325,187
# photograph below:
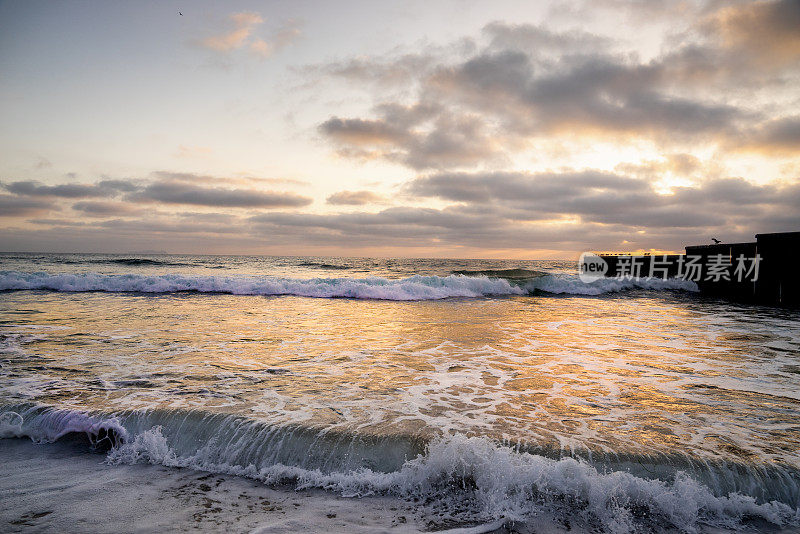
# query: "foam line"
411,288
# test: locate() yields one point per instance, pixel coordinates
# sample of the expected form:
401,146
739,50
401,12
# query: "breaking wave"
411,288
508,274
469,478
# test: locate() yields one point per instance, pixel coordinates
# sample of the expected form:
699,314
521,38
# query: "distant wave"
322,265
513,274
131,262
411,288
144,261
473,479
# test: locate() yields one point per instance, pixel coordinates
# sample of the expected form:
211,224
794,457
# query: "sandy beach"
59,488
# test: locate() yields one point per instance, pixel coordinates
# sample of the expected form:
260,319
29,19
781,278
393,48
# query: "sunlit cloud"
243,35
354,198
279,39
243,25
192,151
767,31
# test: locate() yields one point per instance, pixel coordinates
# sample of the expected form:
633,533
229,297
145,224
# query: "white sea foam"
470,478
489,482
411,288
572,285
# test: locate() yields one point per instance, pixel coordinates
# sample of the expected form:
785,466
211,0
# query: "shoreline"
60,487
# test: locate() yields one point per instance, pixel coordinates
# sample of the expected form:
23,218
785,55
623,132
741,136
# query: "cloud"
680,164
282,37
363,132
194,178
12,206
167,188
501,130
242,35
243,25
192,151
178,192
522,85
778,137
43,163
105,208
767,31
354,198
504,36
607,198
104,188
419,137
508,211
386,72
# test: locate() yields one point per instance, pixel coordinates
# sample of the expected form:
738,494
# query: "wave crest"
412,288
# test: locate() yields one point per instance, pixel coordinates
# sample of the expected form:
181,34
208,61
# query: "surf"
416,287
471,478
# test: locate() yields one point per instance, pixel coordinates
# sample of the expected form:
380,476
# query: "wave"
143,261
572,285
509,274
321,265
130,262
469,478
411,288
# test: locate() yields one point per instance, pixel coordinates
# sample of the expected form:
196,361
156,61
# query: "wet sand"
58,488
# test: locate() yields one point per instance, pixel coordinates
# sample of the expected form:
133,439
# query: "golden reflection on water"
643,374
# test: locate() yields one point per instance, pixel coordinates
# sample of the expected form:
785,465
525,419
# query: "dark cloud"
170,227
477,107
560,211
458,227
769,31
363,132
94,208
780,136
514,186
123,186
605,198
354,198
119,197
31,188
13,206
420,140
178,192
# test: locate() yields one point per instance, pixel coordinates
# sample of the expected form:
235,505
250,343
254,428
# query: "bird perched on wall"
716,241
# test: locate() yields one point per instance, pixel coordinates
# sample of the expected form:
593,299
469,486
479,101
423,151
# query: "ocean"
470,395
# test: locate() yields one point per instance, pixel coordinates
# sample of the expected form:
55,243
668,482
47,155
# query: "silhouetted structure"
766,271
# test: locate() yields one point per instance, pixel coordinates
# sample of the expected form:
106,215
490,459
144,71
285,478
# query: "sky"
468,129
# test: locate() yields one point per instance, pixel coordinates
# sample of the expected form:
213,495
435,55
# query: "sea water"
477,390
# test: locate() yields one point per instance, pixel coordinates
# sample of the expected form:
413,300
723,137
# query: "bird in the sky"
716,241
179,13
